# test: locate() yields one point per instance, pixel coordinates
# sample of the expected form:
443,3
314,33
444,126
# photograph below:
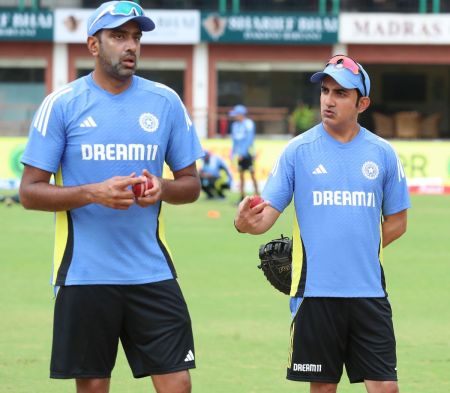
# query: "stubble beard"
115,69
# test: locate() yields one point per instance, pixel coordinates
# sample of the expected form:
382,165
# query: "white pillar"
200,89
60,65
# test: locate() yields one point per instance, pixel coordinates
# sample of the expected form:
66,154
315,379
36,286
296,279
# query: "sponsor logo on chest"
343,198
148,122
369,170
119,152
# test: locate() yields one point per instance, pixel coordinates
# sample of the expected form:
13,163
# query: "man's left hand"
154,194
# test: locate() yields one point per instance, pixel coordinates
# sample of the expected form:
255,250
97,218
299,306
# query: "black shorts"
151,320
245,163
327,333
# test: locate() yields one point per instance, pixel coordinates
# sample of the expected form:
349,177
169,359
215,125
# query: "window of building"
22,89
270,96
404,87
414,99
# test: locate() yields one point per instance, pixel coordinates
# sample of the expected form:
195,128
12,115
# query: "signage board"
172,27
269,28
26,25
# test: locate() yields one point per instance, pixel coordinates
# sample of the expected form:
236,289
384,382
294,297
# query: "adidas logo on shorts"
189,357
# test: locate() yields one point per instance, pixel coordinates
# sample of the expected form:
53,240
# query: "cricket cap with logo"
347,72
113,14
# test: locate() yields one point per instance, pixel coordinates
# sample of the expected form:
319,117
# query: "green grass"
241,324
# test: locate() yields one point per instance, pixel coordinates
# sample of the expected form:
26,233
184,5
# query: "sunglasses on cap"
123,8
349,64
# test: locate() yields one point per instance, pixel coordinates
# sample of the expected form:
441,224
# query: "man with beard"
113,271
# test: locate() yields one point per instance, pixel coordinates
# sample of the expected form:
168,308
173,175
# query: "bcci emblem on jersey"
370,170
149,122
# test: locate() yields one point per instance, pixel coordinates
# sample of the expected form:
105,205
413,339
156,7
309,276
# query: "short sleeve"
395,189
279,187
184,146
47,138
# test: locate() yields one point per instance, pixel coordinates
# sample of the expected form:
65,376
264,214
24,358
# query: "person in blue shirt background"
113,270
243,135
10,200
215,176
350,201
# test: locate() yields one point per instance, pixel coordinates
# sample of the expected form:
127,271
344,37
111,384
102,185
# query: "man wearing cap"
350,201
243,135
113,271
215,176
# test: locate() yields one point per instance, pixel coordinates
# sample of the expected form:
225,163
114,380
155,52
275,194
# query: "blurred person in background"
350,201
243,136
215,176
113,273
10,200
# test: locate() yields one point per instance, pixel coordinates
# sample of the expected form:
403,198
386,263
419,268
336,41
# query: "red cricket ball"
140,188
255,200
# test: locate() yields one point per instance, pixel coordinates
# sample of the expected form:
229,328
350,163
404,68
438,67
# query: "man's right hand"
253,219
115,192
37,193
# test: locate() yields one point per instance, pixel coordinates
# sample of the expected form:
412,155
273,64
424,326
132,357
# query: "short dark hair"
359,96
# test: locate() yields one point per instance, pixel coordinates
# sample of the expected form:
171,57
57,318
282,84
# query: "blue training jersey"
84,134
341,191
242,135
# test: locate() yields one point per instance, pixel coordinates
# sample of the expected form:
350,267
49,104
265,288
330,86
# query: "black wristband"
237,229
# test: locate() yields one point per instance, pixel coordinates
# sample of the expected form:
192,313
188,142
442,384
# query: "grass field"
241,324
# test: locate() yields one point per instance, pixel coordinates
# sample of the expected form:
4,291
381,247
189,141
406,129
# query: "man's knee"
381,386
92,385
389,387
179,382
318,387
185,384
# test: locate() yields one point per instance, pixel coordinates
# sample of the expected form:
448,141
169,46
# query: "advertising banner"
172,27
11,150
385,28
427,165
269,28
26,25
